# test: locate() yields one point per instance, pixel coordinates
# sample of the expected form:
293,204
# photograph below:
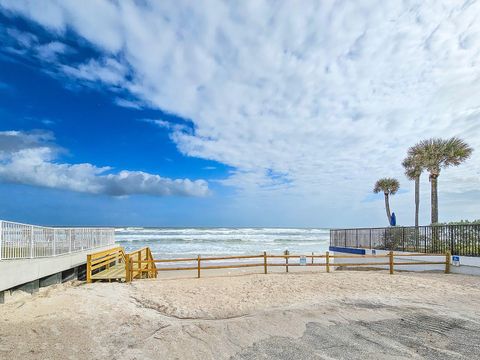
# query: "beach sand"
299,315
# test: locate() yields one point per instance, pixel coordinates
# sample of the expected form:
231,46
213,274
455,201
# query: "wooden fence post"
327,261
130,266
390,255
127,268
447,262
139,264
286,261
147,264
151,266
89,268
265,261
312,258
198,267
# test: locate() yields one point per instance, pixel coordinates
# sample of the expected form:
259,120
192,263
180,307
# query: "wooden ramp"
115,264
107,265
116,272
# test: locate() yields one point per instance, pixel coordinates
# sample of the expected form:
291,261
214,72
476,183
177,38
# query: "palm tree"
388,186
413,171
435,154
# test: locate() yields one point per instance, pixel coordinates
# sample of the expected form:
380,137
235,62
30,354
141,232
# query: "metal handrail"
459,239
25,241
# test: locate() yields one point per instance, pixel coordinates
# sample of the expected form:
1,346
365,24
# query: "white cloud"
22,38
51,50
128,103
23,43
176,128
81,17
108,71
29,158
316,100
14,141
159,122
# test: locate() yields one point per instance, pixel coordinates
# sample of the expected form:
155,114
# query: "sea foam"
186,242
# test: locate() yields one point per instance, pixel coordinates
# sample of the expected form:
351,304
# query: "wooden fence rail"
139,265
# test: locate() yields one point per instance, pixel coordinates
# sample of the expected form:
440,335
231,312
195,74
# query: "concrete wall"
468,265
18,272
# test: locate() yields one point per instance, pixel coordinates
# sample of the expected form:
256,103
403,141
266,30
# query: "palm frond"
435,153
456,151
386,185
413,167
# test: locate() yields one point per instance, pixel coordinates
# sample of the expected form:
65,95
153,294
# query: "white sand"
220,316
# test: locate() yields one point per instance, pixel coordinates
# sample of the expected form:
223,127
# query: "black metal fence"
458,239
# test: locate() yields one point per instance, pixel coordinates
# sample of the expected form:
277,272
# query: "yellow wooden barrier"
447,262
106,265
265,261
199,266
390,255
135,264
327,261
140,263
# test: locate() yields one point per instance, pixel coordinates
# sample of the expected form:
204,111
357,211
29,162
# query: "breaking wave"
178,242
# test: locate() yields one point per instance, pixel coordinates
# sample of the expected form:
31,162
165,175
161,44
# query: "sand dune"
345,314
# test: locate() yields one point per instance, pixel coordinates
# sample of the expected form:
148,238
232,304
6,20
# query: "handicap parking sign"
456,260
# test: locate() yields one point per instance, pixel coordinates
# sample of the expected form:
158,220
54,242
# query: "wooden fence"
147,264
139,263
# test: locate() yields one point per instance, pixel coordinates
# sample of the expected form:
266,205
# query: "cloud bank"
317,100
29,158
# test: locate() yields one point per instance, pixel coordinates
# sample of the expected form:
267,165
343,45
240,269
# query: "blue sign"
303,261
456,260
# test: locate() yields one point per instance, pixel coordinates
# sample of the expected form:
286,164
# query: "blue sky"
223,114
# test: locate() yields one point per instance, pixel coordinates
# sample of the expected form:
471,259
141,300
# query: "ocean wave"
210,239
221,231
187,242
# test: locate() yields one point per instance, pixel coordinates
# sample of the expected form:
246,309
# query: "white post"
31,242
70,240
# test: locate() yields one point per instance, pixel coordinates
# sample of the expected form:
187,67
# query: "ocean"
190,242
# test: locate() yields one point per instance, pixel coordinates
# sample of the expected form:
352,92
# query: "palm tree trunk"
434,198
387,208
417,199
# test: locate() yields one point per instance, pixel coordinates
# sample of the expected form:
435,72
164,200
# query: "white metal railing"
23,241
